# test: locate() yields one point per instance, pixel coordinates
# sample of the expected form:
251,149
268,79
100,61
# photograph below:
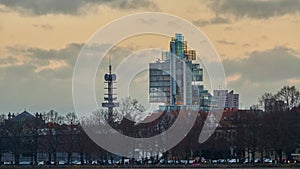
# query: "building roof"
24,116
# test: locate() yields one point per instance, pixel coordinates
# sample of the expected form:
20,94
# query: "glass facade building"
172,79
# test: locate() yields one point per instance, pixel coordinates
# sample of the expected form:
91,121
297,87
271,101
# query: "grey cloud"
70,7
7,60
216,20
43,26
226,42
255,8
246,45
36,57
133,4
262,71
69,53
22,87
272,65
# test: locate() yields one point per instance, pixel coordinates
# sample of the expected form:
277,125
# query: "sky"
257,40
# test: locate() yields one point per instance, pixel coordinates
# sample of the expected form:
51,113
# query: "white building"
230,99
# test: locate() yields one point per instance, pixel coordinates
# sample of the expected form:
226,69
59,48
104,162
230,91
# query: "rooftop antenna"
109,62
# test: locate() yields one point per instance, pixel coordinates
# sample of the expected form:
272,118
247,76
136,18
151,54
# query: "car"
94,162
62,162
76,162
41,163
267,160
221,161
25,162
232,161
257,160
8,162
246,161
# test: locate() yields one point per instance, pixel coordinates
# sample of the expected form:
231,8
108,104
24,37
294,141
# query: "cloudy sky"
257,40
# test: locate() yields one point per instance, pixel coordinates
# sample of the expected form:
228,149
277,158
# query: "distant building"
219,98
231,99
174,80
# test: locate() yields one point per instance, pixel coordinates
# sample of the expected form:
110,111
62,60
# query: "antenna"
109,99
109,59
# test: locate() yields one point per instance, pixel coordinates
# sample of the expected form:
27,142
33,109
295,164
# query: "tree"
51,116
2,118
267,102
290,96
131,109
71,118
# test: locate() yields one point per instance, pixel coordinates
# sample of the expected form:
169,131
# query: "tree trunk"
49,157
81,157
69,158
17,158
54,157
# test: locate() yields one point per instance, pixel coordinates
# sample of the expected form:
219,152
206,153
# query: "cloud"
233,78
255,8
263,71
41,79
70,7
38,79
226,42
43,26
294,81
213,21
51,63
275,64
37,61
8,61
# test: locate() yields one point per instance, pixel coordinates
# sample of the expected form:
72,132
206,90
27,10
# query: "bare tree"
51,116
2,118
267,102
130,108
290,96
71,118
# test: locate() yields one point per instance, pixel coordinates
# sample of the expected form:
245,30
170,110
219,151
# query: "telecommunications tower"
109,97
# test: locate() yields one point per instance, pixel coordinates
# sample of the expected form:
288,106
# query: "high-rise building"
230,99
173,80
219,98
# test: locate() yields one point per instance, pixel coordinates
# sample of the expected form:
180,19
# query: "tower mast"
109,99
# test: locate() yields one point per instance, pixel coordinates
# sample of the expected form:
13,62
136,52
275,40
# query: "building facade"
174,80
230,99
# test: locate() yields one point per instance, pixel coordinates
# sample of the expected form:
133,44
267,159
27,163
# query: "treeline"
47,134
241,134
270,128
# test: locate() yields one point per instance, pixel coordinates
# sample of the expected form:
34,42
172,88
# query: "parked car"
8,162
267,160
221,161
41,163
25,162
62,162
232,161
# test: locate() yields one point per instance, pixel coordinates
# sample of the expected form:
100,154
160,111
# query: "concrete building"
230,99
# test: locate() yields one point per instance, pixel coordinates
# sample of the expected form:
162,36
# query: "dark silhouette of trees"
289,95
241,134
